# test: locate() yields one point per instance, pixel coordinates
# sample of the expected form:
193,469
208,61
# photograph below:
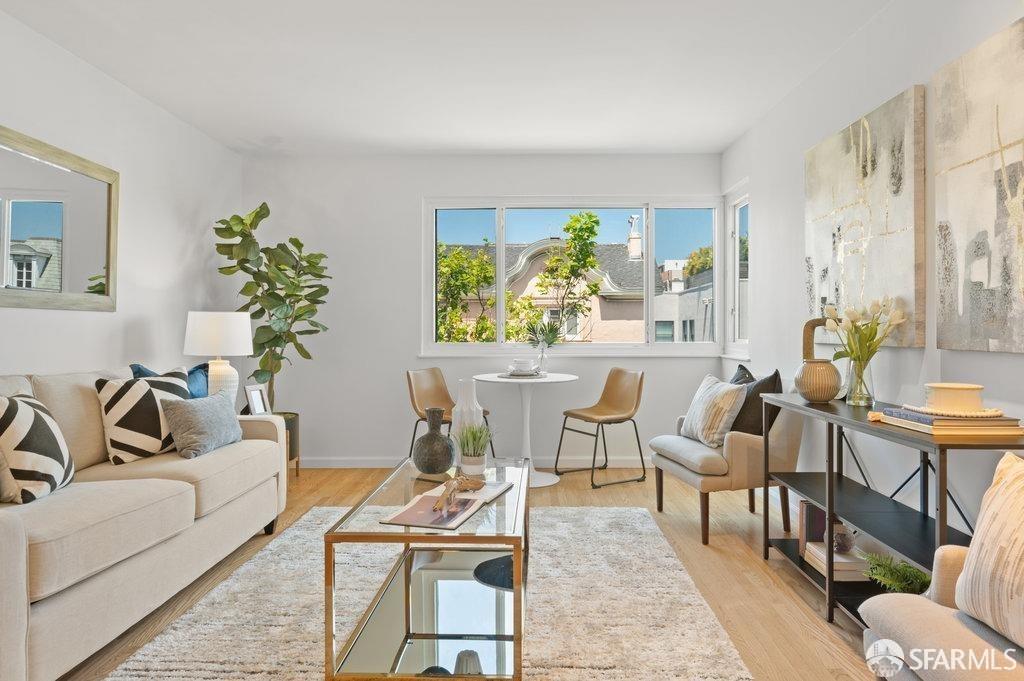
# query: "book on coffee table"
420,513
488,493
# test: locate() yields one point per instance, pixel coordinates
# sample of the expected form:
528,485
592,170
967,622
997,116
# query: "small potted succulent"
473,440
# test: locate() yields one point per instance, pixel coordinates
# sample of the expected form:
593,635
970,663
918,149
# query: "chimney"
634,242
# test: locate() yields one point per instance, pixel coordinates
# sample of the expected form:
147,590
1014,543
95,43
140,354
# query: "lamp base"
223,376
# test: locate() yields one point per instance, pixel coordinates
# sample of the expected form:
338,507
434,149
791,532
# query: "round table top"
550,378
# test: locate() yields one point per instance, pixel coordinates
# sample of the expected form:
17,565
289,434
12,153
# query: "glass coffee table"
430,616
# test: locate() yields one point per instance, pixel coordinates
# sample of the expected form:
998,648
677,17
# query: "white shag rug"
607,600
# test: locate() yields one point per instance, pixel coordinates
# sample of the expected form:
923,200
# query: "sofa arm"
270,427
947,565
13,599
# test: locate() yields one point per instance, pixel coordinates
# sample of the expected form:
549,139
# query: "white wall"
903,45
366,213
174,182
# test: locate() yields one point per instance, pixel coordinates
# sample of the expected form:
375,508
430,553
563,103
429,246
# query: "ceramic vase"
817,380
433,452
472,465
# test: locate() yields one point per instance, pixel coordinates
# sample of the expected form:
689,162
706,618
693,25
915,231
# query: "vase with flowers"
861,333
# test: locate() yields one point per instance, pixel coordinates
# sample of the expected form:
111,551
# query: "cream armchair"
737,464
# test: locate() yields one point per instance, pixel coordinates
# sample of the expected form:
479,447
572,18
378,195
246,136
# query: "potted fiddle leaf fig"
284,287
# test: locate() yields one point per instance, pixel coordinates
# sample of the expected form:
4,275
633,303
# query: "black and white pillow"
133,420
35,458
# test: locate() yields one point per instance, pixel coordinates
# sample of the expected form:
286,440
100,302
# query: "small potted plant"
896,575
473,440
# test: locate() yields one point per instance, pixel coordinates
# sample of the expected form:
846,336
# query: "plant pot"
472,465
291,429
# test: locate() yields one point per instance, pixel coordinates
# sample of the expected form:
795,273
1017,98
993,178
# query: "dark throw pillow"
202,425
133,417
34,458
198,378
749,420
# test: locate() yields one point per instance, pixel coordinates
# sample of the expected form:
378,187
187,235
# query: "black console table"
907,531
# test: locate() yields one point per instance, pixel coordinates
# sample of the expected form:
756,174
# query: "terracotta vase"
817,380
433,452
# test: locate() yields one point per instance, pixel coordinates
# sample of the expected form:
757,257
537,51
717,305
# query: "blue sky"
36,218
679,230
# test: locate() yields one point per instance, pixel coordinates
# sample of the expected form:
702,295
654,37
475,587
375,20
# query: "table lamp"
219,334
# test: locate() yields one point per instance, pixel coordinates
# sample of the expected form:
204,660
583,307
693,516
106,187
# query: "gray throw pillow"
202,424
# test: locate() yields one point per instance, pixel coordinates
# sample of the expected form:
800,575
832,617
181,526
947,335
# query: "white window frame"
735,347
12,196
429,347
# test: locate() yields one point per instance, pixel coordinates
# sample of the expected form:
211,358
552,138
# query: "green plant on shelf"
896,575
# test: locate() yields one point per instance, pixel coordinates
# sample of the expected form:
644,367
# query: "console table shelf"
905,530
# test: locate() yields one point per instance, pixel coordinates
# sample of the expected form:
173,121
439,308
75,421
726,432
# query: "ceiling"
458,76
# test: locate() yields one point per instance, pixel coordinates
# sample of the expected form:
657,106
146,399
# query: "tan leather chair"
619,403
428,389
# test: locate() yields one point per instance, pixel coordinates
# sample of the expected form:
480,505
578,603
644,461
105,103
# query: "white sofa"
83,564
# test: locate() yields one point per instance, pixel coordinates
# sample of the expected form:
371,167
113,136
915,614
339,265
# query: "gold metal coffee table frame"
473,535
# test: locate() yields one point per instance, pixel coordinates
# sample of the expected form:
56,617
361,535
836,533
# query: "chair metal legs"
599,434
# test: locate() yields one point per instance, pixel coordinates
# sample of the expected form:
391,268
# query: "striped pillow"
34,458
713,410
990,587
133,419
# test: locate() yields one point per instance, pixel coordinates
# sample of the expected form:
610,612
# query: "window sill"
736,356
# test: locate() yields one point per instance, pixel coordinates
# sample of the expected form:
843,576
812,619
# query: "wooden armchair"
737,464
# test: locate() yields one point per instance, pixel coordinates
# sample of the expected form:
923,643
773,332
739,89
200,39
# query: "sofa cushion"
15,385
34,458
696,456
88,526
917,622
218,477
991,585
133,415
71,398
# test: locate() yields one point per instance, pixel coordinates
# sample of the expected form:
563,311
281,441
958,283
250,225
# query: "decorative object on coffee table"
434,452
817,380
472,441
467,411
861,333
460,483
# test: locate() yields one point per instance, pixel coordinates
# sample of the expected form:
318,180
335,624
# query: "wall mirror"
58,227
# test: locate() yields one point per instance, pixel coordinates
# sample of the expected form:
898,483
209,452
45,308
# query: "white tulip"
897,317
851,314
846,325
831,325
831,312
874,308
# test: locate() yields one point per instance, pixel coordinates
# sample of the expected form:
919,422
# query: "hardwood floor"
771,613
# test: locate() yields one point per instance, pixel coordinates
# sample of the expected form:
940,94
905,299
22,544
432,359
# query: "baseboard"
540,462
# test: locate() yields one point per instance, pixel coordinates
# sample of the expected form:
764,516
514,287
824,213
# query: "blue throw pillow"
198,378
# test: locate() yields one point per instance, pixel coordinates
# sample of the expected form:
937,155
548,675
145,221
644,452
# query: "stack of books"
951,426
846,567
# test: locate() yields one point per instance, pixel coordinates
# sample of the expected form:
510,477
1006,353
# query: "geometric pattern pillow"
133,420
34,458
712,411
991,586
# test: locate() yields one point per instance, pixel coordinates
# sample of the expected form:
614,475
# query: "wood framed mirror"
58,227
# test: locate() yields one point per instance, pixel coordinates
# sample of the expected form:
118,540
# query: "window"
32,242
613,275
684,251
741,280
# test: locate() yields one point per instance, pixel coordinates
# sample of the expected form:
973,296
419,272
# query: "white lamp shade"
218,334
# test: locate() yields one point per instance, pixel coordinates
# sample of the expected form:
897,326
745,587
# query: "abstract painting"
864,214
978,102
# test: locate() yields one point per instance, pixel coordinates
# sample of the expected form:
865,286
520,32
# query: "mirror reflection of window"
35,244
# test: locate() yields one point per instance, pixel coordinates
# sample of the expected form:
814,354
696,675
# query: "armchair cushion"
690,453
992,581
947,565
750,419
712,411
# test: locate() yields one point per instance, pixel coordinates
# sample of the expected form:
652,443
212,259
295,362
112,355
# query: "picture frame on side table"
257,398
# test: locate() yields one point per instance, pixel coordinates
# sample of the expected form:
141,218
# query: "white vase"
467,411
